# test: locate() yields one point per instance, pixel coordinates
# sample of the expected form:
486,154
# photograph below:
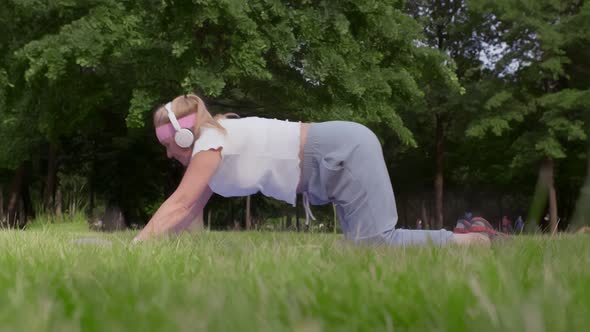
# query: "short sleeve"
210,138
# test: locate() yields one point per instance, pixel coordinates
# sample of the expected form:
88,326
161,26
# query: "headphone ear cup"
184,138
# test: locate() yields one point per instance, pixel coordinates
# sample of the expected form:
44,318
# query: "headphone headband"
183,136
172,116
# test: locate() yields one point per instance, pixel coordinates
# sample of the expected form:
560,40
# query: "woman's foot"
480,225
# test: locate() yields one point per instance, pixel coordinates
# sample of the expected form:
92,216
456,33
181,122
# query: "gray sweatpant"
343,164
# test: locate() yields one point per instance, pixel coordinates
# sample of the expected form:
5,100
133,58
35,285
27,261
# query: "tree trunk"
549,171
501,209
58,202
51,178
438,178
335,218
22,217
14,195
92,198
582,208
553,217
248,220
235,225
91,195
407,221
28,204
113,218
424,214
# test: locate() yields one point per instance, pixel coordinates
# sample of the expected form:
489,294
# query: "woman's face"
183,155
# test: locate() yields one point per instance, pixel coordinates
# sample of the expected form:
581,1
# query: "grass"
221,281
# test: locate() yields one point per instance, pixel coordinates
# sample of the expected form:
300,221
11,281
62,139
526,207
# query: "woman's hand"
189,198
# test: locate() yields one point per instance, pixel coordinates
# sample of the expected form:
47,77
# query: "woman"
331,162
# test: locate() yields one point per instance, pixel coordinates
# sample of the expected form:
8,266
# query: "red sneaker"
462,226
480,225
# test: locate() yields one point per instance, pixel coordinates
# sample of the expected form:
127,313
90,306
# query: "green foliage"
90,72
106,29
566,99
140,102
498,115
538,98
4,85
244,46
204,80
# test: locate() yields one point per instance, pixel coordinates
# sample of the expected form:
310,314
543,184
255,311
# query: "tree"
545,96
92,74
454,32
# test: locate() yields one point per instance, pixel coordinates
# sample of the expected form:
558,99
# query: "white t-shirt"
257,154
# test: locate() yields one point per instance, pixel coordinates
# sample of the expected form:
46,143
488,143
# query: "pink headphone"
183,137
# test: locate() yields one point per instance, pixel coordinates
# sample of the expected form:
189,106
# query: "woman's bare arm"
192,191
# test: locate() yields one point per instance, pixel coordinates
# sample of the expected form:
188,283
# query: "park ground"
271,281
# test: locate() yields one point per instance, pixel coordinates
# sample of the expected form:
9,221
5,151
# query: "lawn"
263,281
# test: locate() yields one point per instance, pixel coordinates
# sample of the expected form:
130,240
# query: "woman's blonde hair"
187,104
